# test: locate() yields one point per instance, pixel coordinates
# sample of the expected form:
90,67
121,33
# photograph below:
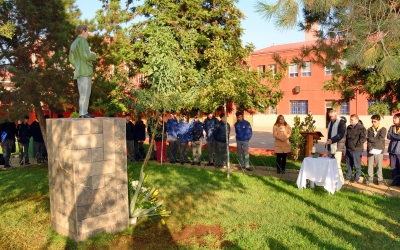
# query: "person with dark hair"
60,116
356,135
221,135
172,130
196,135
394,149
243,132
130,136
160,140
139,138
336,139
281,133
183,138
376,135
82,59
210,124
8,130
38,141
23,135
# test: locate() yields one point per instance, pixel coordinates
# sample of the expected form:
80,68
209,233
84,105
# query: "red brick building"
302,88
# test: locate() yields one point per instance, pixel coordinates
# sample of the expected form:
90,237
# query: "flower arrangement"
144,201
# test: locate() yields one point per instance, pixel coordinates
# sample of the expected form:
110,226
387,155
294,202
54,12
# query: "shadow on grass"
275,244
187,187
352,238
23,181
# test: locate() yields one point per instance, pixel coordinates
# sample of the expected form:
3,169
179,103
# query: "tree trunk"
42,121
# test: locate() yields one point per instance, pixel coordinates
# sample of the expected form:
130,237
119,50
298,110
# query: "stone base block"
87,176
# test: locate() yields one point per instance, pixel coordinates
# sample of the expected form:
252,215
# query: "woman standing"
160,139
394,149
281,134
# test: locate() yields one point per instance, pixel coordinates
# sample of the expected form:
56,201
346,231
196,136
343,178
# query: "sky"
257,30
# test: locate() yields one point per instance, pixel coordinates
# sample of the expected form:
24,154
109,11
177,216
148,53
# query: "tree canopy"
206,59
358,38
35,58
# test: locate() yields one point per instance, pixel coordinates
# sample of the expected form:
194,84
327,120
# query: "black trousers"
281,161
140,153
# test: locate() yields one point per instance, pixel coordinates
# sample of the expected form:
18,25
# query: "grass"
252,212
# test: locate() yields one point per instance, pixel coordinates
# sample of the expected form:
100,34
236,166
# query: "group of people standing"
183,134
22,132
350,142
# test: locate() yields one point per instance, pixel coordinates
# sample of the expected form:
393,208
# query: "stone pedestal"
87,176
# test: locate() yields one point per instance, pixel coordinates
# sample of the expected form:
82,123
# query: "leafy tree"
36,58
7,28
359,39
212,61
112,85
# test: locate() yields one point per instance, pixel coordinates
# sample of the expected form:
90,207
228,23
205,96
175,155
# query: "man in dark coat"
140,137
130,135
356,135
336,138
209,126
220,135
23,136
38,141
8,130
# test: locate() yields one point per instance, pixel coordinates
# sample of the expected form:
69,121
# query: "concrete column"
87,176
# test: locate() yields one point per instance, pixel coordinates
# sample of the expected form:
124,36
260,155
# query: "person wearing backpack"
196,130
243,135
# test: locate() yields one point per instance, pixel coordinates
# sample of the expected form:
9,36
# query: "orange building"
302,88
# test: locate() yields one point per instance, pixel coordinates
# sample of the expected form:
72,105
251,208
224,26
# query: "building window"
272,111
344,108
299,107
306,70
293,70
261,68
328,71
272,67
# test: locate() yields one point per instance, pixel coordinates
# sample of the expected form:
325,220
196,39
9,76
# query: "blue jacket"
209,126
243,130
394,144
183,132
196,131
220,132
172,128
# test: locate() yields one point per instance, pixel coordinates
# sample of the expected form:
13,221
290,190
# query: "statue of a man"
82,59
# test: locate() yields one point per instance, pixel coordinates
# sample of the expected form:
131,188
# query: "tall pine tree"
359,39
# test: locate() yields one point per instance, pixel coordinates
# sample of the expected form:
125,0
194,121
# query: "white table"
322,171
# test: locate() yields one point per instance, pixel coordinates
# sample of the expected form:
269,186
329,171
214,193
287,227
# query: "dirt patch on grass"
197,233
152,234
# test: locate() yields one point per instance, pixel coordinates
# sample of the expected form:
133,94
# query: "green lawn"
210,211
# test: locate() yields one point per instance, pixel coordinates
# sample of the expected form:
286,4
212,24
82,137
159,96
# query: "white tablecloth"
321,171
